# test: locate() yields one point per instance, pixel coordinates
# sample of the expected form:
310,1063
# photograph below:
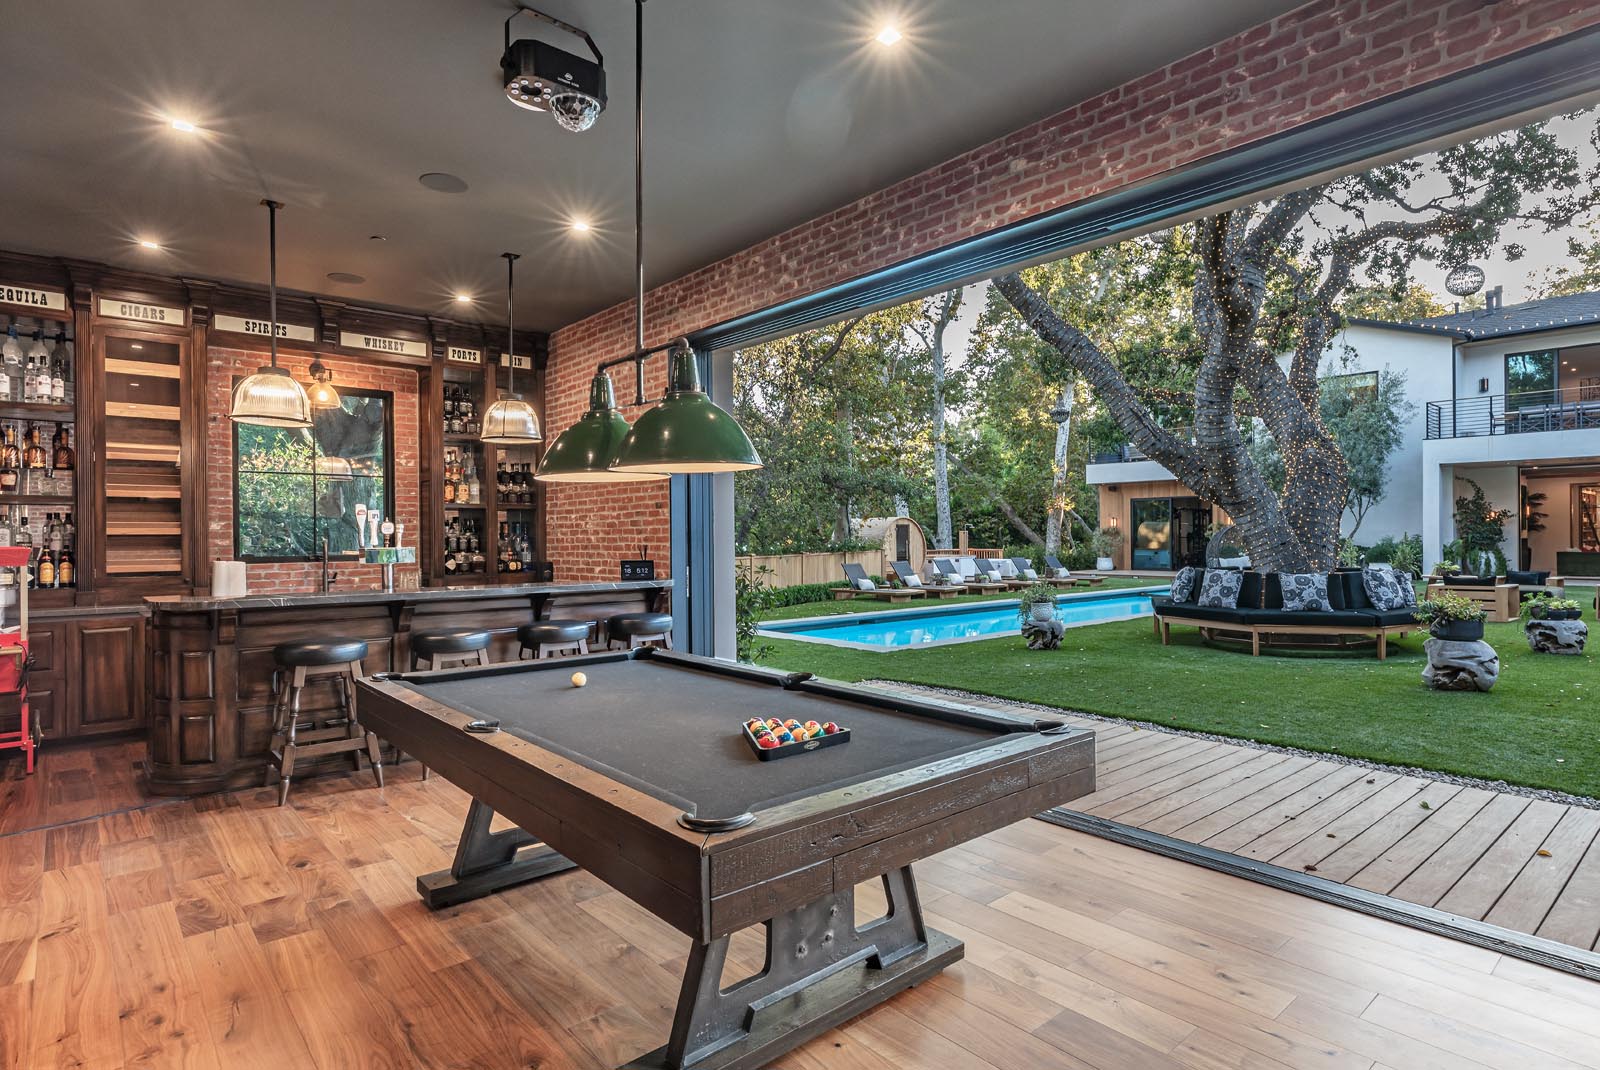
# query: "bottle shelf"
458,507
36,499
36,410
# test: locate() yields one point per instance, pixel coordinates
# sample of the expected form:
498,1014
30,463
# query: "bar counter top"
184,603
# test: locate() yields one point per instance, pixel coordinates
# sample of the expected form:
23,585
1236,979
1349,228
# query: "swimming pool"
925,626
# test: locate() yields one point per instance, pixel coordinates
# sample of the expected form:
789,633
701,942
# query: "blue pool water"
896,630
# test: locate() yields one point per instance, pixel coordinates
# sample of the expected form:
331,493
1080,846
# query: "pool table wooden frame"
794,868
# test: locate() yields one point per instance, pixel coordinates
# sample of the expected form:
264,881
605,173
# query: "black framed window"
1530,378
293,487
1152,532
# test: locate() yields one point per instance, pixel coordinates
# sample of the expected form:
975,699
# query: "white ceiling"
760,114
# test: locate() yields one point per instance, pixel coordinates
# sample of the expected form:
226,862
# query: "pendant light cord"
638,170
272,273
511,327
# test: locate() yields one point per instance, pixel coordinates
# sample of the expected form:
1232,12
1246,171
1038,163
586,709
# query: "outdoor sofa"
1260,615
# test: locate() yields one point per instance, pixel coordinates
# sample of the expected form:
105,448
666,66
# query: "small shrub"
1449,606
1080,558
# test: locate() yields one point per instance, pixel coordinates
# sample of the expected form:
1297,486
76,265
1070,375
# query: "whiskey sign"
32,297
464,356
246,325
117,308
381,344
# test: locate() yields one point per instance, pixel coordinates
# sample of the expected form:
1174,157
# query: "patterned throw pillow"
1305,592
1408,588
1183,584
1382,590
1220,589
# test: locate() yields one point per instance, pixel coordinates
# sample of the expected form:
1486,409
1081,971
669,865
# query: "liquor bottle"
33,455
58,380
47,569
474,488
63,359
66,458
39,361
67,570
12,360
5,529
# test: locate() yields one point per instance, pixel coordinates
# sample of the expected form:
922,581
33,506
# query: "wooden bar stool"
639,629
444,647
547,638
340,733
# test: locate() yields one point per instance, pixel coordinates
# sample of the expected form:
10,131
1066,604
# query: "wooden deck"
225,932
1519,863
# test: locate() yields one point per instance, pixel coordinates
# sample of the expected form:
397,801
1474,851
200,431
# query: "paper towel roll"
228,579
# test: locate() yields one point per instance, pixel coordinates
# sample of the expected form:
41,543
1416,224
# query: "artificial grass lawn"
1539,726
833,607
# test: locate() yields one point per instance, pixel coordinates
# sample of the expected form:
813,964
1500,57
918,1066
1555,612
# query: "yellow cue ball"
579,679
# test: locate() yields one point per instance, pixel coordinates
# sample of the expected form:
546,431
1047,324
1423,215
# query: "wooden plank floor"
226,932
1520,863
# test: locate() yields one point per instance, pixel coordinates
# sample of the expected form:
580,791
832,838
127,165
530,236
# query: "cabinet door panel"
111,689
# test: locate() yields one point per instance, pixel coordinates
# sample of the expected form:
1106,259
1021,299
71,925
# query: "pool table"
643,778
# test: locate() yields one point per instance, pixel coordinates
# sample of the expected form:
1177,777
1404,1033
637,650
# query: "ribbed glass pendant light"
686,432
511,421
271,397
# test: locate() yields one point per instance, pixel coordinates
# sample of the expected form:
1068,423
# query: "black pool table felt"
675,733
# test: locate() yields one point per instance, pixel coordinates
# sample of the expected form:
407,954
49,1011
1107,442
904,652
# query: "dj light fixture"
541,77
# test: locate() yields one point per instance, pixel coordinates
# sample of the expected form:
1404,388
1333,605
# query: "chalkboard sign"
638,570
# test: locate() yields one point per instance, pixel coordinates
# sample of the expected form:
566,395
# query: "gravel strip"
1501,786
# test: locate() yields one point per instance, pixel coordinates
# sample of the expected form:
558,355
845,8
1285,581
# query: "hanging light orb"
583,452
511,421
687,433
271,398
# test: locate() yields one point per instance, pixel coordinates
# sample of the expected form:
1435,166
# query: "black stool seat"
552,631
449,641
309,653
629,624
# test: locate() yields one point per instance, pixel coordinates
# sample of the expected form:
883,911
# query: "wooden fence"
791,570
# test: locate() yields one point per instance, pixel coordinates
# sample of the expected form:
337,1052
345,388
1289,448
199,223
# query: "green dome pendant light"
511,421
271,397
686,432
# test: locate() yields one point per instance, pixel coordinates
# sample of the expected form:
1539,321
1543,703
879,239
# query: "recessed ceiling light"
184,126
440,182
888,36
145,243
464,299
346,277
580,225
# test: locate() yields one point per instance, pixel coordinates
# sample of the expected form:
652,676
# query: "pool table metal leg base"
820,971
487,861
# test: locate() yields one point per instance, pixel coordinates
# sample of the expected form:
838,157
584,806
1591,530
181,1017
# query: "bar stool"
443,647
639,629
339,734
544,638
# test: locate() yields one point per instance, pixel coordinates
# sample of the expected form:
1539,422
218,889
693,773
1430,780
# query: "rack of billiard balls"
772,738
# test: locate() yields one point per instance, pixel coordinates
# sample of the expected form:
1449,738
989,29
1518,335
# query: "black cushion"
1346,592
448,641
1405,615
1527,579
1331,620
1462,580
552,631
320,652
1209,614
639,624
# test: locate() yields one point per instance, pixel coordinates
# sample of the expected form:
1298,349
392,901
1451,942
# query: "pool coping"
926,609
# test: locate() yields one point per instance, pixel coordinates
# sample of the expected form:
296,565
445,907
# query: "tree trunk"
847,437
1058,473
943,536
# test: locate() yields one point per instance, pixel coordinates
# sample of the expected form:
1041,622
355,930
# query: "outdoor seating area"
1273,609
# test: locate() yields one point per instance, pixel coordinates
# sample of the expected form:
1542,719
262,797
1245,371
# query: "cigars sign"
117,308
33,297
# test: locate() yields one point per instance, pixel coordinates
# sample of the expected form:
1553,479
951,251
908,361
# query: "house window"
1361,386
1530,378
291,489
1152,533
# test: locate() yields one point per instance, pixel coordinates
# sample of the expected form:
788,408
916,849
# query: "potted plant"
1037,601
1451,616
1564,609
1104,543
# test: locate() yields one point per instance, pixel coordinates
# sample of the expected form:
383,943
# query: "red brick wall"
1316,61
222,366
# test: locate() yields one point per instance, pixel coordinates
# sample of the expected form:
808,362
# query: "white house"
1507,396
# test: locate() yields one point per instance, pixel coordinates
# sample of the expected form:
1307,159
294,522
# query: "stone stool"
546,638
638,629
339,734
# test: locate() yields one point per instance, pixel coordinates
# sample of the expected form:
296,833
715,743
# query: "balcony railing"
1569,409
1127,451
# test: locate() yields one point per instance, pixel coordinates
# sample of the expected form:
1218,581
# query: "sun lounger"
861,586
1061,572
908,576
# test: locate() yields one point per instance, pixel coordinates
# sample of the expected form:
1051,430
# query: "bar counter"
210,661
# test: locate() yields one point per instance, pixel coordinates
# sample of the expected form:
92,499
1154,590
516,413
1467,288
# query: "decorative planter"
1104,564
1458,631
1460,666
1564,614
1042,611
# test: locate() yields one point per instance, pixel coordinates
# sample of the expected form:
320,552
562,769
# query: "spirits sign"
116,308
246,325
31,297
380,344
464,356
520,363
